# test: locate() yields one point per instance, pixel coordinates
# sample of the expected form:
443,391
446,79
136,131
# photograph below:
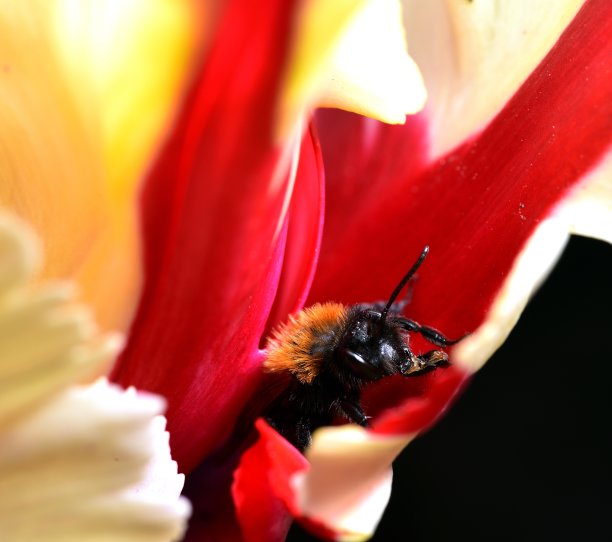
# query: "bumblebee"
328,352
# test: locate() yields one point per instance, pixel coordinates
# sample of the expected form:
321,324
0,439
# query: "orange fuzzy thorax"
292,345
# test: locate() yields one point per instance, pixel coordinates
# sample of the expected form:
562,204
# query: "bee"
328,352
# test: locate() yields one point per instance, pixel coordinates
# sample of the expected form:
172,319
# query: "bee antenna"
403,282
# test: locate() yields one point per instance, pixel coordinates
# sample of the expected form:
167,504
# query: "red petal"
406,409
475,207
213,209
262,515
363,160
305,229
262,489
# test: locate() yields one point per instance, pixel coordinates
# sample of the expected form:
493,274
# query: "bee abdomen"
301,345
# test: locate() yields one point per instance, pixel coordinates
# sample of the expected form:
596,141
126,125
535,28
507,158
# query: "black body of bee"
331,352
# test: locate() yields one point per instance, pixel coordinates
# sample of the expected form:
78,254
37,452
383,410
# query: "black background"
526,453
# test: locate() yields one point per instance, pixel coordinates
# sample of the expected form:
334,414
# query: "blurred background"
526,453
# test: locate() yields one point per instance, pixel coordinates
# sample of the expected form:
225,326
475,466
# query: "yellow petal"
371,72
51,164
87,88
351,54
474,55
135,53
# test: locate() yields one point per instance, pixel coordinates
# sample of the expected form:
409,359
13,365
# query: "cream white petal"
47,340
348,484
107,520
474,55
20,253
588,211
161,477
76,463
73,470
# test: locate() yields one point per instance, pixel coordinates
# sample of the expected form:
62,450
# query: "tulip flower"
509,157
255,208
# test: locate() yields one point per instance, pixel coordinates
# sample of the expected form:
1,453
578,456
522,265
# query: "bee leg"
433,359
429,333
351,410
417,365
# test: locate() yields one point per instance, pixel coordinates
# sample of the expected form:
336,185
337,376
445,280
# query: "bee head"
371,347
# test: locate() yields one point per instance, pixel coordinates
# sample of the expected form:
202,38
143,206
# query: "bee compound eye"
359,365
354,358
